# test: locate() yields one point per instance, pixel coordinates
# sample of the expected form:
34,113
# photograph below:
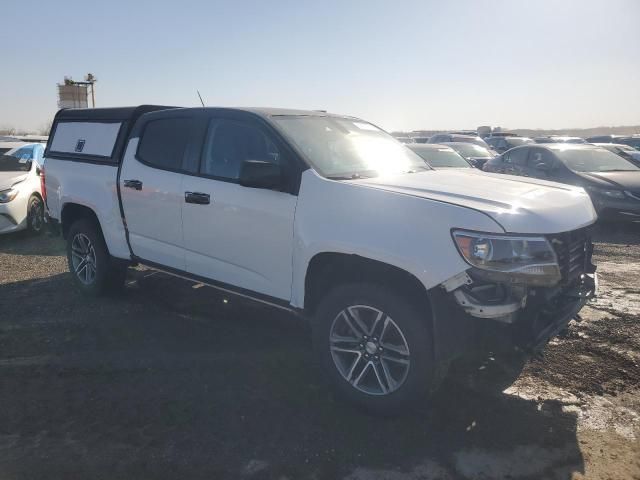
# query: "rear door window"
164,142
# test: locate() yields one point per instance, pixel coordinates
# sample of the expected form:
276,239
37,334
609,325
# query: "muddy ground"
169,381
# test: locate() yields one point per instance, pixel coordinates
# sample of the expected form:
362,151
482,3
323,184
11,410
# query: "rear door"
151,188
239,236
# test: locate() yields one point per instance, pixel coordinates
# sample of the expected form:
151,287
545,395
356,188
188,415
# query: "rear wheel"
375,347
94,270
35,215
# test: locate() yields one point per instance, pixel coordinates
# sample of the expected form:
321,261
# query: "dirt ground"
170,381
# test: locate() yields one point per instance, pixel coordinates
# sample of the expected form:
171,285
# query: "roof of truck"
122,113
277,112
116,113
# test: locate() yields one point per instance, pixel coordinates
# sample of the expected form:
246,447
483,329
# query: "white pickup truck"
400,268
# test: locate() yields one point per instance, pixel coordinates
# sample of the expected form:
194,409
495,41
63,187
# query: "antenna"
200,97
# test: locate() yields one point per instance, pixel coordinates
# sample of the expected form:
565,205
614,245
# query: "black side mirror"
260,174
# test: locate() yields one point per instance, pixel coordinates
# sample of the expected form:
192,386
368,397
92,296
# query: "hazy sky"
401,64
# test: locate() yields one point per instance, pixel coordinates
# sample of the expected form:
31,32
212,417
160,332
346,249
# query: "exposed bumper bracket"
501,312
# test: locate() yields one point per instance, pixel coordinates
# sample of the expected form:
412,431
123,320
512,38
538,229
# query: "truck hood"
518,204
8,179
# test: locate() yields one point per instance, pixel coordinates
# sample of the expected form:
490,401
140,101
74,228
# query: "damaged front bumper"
477,313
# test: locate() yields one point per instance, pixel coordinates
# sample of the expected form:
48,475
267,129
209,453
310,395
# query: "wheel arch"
328,269
72,212
35,193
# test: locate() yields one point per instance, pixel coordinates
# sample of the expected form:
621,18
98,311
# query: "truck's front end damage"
518,293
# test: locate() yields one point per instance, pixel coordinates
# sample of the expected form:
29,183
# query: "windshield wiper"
354,175
351,176
420,168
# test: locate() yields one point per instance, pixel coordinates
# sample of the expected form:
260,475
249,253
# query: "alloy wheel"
83,258
369,350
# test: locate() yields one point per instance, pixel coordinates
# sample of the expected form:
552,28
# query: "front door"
237,235
152,191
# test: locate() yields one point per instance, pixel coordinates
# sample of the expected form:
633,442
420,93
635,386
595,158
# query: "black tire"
108,273
35,215
414,326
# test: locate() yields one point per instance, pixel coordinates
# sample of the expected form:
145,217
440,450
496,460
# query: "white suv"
399,268
21,202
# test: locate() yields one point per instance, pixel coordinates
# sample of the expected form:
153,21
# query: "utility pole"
91,80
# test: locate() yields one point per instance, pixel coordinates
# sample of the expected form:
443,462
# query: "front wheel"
94,270
375,347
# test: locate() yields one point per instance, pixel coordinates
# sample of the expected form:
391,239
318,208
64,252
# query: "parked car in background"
405,139
633,141
452,137
399,268
421,139
612,182
21,200
630,140
5,146
503,134
33,138
502,143
625,151
440,156
603,139
476,155
559,139
472,133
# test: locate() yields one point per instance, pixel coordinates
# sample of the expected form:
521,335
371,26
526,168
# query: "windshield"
343,148
594,160
441,157
469,150
517,141
16,160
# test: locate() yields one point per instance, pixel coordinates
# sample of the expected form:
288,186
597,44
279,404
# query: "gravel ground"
169,381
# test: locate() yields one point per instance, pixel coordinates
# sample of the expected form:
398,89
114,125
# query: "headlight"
607,192
520,255
8,195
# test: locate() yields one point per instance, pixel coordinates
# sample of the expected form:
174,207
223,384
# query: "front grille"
574,250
